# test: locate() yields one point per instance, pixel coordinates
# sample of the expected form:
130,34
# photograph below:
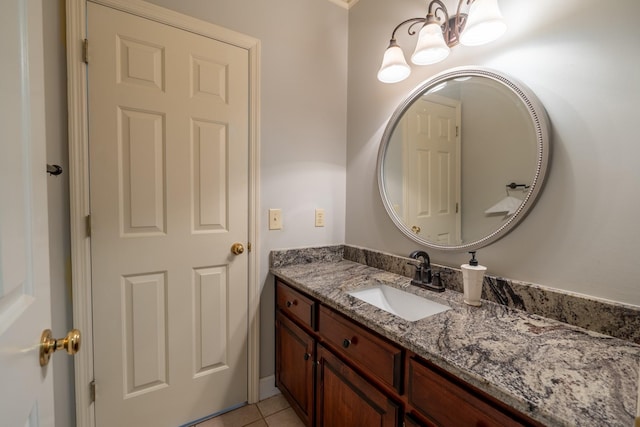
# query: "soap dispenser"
472,277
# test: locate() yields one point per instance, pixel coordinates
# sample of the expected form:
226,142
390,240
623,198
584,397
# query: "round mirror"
463,159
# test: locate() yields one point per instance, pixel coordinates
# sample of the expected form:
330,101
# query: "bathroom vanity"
361,378
342,361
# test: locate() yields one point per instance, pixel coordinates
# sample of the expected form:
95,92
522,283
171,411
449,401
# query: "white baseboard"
268,387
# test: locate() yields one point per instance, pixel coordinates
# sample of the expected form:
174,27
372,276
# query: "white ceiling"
344,3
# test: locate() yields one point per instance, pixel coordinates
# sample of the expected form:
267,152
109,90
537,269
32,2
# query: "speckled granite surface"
610,318
558,374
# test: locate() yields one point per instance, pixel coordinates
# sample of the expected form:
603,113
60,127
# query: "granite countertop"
556,373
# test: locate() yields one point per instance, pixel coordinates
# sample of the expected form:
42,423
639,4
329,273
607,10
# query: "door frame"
79,183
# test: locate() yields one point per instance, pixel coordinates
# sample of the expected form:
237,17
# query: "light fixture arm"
453,37
410,30
437,12
435,7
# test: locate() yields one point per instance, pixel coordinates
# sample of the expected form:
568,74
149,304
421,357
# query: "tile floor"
272,412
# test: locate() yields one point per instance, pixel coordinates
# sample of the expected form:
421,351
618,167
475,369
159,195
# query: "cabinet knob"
346,343
290,303
307,356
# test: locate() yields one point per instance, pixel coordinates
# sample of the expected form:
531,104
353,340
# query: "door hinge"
457,208
85,51
457,131
92,391
88,225
249,246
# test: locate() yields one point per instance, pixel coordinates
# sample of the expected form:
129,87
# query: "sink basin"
403,304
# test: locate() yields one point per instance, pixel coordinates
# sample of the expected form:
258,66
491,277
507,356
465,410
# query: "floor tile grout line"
263,417
273,413
277,412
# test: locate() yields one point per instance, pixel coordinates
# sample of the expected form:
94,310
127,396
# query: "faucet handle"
437,284
436,278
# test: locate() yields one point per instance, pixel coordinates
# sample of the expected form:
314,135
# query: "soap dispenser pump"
472,277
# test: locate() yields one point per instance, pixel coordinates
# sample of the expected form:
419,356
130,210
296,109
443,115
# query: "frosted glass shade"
431,47
484,23
394,67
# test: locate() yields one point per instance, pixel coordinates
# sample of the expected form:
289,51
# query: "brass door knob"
237,248
415,229
48,345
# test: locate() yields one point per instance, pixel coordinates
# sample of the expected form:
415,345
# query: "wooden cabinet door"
295,356
449,402
344,398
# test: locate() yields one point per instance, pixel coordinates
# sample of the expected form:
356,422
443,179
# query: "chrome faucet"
424,278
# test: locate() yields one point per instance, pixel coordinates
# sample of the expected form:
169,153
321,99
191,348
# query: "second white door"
432,180
168,136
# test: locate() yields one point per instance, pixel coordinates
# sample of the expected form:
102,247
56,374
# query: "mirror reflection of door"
506,139
431,183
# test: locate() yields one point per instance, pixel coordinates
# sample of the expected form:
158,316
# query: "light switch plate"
275,219
319,217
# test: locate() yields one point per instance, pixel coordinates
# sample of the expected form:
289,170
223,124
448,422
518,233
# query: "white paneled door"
432,180
168,138
26,392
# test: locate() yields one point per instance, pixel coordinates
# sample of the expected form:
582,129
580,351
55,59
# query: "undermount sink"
403,304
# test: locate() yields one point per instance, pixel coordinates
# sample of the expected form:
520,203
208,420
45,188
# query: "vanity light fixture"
481,24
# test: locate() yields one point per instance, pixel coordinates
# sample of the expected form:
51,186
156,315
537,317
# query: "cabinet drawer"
447,403
295,304
372,354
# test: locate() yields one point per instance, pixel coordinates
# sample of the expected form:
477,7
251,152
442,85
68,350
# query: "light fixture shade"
394,67
431,47
484,23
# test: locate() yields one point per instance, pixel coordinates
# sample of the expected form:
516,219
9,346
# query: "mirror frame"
540,123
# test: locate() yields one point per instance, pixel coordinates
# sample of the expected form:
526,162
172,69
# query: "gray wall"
582,235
